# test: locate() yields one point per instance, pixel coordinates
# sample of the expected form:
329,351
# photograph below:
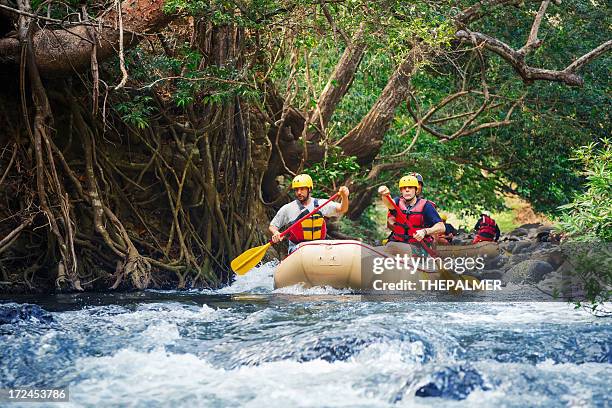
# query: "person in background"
420,188
446,238
486,229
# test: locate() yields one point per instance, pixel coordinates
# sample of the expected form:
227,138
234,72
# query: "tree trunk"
365,139
61,51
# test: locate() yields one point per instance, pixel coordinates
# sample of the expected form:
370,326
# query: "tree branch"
60,51
590,56
532,41
365,139
333,24
342,77
527,73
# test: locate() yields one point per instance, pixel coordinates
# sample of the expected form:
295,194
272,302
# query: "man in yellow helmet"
420,220
312,228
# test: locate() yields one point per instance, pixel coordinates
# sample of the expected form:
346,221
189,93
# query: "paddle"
251,257
444,273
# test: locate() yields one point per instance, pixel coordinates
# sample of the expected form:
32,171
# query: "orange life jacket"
311,228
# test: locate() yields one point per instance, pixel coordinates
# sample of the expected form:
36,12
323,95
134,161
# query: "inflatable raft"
483,249
345,264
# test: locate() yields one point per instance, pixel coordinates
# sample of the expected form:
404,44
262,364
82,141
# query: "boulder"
496,262
508,238
528,271
531,226
453,383
544,229
544,233
519,232
515,260
555,258
507,246
521,246
492,274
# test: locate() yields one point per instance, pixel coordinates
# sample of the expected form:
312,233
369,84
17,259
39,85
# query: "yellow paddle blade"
446,274
249,259
468,278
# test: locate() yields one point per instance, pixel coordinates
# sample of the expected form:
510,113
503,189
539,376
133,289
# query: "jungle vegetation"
145,143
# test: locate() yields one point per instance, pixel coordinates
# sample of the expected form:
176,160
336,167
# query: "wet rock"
543,233
528,271
542,245
519,232
521,246
496,262
492,274
334,349
507,246
555,258
13,313
453,383
531,226
517,259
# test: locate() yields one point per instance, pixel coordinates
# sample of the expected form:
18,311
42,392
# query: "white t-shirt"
290,211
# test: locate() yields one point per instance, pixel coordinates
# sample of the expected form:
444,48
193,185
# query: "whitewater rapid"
250,345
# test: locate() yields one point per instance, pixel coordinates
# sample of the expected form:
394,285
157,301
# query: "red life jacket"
487,229
410,222
311,228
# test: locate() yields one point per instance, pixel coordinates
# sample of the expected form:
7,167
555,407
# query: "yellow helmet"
302,180
409,181
443,216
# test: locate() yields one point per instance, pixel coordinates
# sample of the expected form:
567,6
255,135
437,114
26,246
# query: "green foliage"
186,82
589,216
370,227
252,14
588,221
334,169
589,282
136,111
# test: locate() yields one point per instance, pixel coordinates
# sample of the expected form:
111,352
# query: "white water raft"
339,264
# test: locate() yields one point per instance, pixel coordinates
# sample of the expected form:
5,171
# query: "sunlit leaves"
589,216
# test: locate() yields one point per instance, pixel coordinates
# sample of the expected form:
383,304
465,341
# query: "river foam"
251,345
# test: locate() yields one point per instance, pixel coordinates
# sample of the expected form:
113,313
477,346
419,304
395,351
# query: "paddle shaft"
285,232
429,250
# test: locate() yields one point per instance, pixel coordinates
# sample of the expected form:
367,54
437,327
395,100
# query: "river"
250,345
